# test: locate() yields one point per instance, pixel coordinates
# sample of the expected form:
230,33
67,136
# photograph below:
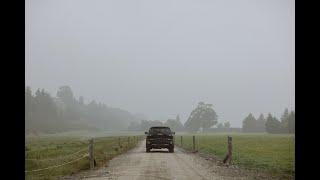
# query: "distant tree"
134,126
145,125
28,92
285,121
291,122
72,111
227,124
219,125
46,114
261,124
156,123
174,124
28,103
29,108
273,125
179,126
66,95
203,116
249,124
178,117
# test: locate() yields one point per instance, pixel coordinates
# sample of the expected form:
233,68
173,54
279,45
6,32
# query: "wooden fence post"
91,155
194,142
229,154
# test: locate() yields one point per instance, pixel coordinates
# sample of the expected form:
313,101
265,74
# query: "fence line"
48,159
59,165
70,155
195,146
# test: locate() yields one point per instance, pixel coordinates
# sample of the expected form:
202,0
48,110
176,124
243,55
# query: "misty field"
43,152
265,152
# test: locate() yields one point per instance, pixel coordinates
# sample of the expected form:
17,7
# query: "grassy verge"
271,153
43,152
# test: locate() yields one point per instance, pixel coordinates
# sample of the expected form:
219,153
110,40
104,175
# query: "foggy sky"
162,57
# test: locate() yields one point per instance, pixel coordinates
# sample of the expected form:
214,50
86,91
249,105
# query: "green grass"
266,152
45,151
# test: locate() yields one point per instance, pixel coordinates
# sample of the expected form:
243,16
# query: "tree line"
48,114
271,124
202,117
144,125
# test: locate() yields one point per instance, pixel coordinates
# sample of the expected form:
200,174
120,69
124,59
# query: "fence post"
194,144
181,141
91,155
229,154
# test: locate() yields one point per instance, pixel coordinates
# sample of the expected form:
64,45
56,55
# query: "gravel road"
160,164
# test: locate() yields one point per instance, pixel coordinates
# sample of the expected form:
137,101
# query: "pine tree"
261,124
285,121
249,124
273,125
291,122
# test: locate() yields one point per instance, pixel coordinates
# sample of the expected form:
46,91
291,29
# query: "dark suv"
160,137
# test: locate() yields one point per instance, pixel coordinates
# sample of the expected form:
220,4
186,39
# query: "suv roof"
159,127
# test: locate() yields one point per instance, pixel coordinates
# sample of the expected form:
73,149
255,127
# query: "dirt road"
139,165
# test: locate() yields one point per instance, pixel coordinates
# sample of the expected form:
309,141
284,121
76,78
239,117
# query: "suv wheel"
171,150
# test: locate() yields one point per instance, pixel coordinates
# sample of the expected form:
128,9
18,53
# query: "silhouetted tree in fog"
203,116
273,125
291,122
261,124
227,124
47,114
285,121
219,125
174,124
66,95
249,124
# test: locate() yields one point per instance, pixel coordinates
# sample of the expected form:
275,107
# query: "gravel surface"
160,164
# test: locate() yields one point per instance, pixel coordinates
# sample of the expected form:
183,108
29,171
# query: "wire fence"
60,157
217,148
59,165
253,151
102,148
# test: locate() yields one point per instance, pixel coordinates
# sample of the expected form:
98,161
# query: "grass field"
265,152
47,151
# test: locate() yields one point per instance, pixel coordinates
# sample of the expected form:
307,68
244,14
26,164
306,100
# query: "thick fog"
161,58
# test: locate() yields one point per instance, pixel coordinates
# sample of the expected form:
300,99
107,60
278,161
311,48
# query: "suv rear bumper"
159,146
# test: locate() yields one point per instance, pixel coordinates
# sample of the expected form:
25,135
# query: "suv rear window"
162,130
